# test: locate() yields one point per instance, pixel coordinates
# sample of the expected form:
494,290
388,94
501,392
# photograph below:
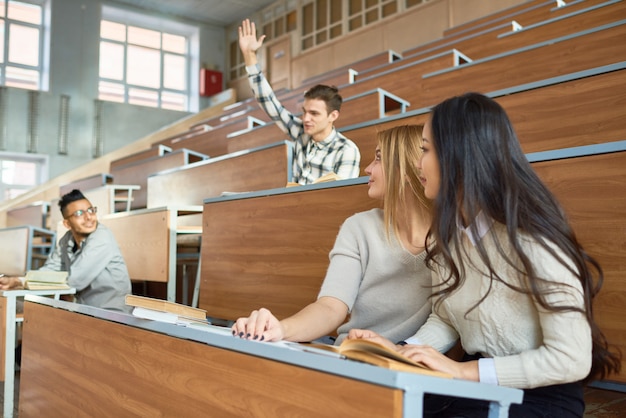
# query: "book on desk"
164,310
371,352
45,280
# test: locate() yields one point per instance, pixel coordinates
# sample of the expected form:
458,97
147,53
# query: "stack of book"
46,280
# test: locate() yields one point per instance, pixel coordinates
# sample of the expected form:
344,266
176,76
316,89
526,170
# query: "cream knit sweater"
530,347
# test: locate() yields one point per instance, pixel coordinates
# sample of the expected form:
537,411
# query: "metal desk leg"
9,356
498,410
413,402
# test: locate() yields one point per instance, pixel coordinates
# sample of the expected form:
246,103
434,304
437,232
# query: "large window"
22,43
142,65
20,173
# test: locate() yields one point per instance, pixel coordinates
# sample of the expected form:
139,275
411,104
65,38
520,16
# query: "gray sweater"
97,269
385,287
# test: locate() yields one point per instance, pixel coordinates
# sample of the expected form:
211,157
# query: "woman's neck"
413,225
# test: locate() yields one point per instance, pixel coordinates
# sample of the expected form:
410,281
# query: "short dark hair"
70,197
329,94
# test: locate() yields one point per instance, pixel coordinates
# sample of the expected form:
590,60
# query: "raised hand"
248,42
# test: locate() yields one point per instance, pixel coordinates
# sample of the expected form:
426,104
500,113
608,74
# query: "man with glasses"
89,253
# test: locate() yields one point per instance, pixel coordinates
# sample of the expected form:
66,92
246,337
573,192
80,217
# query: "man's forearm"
249,57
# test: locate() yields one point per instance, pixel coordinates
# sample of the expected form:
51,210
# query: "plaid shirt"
311,159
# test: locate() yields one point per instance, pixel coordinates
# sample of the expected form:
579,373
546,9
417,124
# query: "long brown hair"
401,150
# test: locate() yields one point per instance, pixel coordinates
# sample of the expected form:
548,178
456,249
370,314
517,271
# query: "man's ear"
66,224
333,115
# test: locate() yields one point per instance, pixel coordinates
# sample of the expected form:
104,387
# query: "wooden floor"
605,403
600,403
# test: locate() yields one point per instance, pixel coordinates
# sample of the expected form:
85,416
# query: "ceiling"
216,12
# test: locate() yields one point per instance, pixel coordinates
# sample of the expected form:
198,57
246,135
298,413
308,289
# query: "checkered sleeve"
266,98
347,165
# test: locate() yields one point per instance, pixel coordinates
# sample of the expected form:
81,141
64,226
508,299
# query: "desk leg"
498,410
171,276
413,406
9,356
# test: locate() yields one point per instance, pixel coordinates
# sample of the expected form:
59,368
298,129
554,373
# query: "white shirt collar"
483,224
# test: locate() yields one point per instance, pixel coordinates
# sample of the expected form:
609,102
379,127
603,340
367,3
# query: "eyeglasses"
92,210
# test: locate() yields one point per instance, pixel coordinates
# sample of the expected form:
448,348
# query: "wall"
74,72
418,25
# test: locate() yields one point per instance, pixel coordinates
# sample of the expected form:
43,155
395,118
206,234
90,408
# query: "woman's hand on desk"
10,283
261,325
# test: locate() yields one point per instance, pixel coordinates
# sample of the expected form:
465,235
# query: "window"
321,22
22,43
142,65
365,12
20,173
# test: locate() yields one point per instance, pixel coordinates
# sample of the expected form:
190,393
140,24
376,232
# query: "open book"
371,352
325,178
45,280
163,310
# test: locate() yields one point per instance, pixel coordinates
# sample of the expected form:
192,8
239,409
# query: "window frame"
42,68
42,162
189,32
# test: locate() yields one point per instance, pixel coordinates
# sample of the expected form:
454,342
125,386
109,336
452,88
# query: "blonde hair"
401,149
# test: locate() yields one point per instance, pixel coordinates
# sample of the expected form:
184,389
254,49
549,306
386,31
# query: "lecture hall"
148,108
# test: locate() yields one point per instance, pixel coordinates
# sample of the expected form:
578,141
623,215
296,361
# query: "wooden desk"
35,214
8,308
147,238
252,245
22,246
113,364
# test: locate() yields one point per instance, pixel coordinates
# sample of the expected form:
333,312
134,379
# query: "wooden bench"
138,171
488,27
148,240
417,64
24,248
560,109
256,137
153,151
507,15
270,248
87,183
36,213
591,188
554,27
212,142
255,169
340,75
578,52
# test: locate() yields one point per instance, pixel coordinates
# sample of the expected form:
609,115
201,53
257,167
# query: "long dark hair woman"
511,280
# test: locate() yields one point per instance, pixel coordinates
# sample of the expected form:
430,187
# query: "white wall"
74,72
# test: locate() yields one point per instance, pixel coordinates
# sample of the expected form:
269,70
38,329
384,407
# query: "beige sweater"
530,347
